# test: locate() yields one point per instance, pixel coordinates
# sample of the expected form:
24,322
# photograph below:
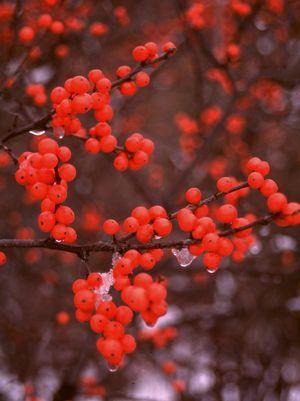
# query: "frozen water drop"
58,132
157,237
183,256
115,257
58,240
37,132
106,297
211,271
112,368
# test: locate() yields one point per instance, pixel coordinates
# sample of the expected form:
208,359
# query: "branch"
100,246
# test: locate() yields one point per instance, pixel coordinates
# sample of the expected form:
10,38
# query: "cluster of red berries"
140,294
144,223
200,220
45,175
288,212
79,95
37,93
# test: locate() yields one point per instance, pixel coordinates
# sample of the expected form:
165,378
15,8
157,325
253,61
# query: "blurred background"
232,90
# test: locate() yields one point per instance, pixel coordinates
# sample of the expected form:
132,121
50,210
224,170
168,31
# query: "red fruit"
80,85
210,242
82,316
157,211
276,202
152,49
130,225
57,95
39,190
79,284
211,261
147,261
59,232
193,196
128,343
162,226
94,280
46,221
123,266
92,145
141,214
140,53
224,184
144,233
49,160
268,188
57,193
108,143
124,315
169,367
111,227
111,349
71,235
98,323
65,215
156,292
84,300
143,280
186,220
253,164
2,258
113,330
255,180
135,298
142,79
225,246
128,88
226,214
108,309
26,34
169,47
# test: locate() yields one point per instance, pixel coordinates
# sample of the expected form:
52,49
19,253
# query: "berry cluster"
45,175
287,212
37,94
79,95
144,223
140,294
201,221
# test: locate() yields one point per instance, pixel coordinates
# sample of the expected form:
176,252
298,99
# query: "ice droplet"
112,368
37,132
211,271
58,132
115,257
102,293
157,237
183,256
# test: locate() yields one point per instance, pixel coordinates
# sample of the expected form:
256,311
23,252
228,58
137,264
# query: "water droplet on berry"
58,240
58,132
211,271
112,368
157,237
183,256
37,132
